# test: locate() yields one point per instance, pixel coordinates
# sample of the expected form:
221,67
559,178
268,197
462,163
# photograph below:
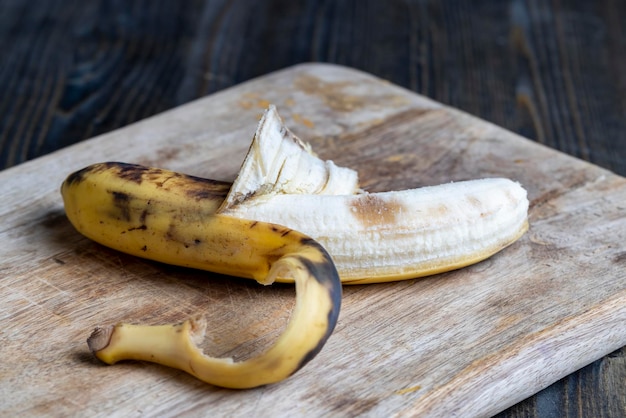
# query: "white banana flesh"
404,234
373,237
278,162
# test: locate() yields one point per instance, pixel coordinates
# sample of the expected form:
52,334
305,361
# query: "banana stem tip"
100,338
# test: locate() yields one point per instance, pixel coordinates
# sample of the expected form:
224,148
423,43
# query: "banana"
286,211
172,218
373,237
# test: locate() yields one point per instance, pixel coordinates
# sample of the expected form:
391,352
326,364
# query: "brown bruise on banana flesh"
474,201
371,210
438,211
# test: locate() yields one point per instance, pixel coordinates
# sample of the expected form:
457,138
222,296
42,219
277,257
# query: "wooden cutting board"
470,342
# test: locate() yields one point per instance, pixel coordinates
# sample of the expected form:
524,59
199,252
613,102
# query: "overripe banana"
267,226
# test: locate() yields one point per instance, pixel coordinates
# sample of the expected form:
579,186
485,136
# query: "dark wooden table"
553,71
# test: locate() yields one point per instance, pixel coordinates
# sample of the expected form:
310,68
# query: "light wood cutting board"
465,343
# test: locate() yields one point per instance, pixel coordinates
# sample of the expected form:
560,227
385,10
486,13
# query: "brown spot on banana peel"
207,189
195,187
121,203
76,177
80,175
324,273
130,172
144,215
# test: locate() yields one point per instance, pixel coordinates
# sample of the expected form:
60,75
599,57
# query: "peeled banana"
288,216
373,237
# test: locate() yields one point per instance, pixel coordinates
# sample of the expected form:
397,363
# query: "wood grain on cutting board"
470,342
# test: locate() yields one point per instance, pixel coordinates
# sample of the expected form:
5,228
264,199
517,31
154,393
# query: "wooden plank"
471,342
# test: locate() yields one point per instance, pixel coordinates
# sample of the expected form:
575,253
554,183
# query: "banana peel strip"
318,300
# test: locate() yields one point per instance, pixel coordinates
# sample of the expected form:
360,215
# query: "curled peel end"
100,338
